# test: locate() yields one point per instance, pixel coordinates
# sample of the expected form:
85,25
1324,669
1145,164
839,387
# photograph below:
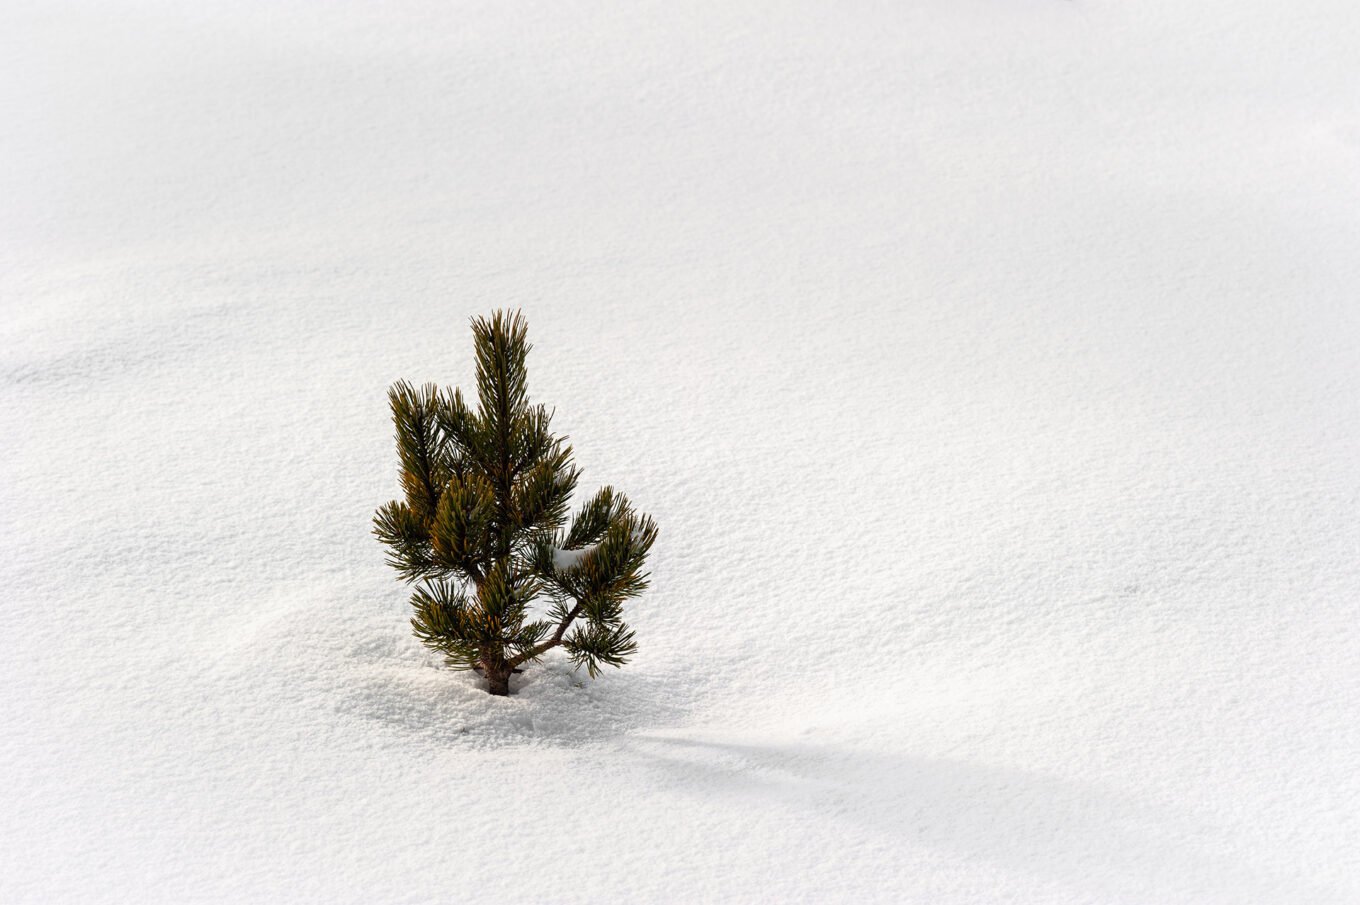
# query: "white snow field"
991,368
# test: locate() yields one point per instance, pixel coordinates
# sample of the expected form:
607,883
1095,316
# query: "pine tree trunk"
498,680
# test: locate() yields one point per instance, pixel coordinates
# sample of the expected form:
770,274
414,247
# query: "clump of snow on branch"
565,560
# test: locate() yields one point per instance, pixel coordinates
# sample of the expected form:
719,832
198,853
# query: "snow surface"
991,370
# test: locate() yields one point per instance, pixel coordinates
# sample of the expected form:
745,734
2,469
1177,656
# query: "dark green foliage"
483,525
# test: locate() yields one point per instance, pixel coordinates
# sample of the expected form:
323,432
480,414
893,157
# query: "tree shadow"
1100,843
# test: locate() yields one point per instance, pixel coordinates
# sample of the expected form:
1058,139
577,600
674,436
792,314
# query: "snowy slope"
990,368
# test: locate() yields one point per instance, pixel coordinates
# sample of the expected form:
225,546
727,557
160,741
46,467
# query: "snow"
990,370
564,559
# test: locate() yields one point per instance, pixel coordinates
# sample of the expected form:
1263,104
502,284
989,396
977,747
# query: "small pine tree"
483,525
